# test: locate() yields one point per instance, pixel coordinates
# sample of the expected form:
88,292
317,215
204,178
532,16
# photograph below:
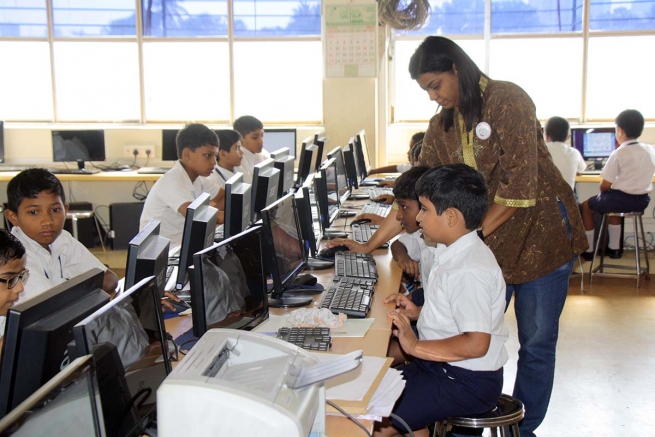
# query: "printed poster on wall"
351,48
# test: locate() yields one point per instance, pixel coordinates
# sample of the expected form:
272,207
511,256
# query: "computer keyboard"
13,167
362,233
355,265
219,233
313,339
74,170
153,170
379,191
376,208
350,296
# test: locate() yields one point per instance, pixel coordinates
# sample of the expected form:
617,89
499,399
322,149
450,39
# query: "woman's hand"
402,329
404,305
352,246
387,183
385,199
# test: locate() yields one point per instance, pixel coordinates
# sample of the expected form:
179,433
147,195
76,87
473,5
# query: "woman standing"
533,225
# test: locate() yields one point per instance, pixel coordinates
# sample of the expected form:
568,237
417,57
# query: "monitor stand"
331,235
359,196
347,213
289,300
318,264
80,164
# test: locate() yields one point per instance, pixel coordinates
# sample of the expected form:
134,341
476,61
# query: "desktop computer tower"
124,222
86,227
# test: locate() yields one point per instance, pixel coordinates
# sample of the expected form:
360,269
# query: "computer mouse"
329,252
360,221
379,200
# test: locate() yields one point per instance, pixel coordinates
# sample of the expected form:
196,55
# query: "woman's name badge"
483,130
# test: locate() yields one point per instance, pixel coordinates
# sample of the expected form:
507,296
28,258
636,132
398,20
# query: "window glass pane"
611,88
279,81
93,17
97,81
25,87
536,16
277,17
622,15
179,87
185,18
549,70
411,102
23,18
454,17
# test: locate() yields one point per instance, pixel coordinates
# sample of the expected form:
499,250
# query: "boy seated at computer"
626,180
37,209
567,159
458,356
13,274
252,144
167,201
229,156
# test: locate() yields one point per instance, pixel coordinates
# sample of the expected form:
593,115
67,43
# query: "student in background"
567,159
401,168
229,156
13,274
197,147
626,180
37,208
252,144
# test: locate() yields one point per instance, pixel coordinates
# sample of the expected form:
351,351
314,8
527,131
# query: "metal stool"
76,215
507,414
636,217
581,274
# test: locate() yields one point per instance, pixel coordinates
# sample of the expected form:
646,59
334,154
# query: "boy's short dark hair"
29,184
456,186
418,136
557,129
193,136
405,186
227,137
246,124
631,121
415,152
10,247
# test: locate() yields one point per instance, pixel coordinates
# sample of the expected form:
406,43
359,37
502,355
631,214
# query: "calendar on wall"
351,40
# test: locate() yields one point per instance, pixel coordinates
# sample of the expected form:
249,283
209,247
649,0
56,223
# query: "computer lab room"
326,218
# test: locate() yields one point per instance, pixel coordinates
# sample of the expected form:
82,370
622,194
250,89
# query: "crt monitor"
168,147
147,255
284,163
308,159
275,139
594,143
228,284
67,405
350,163
361,154
2,141
321,142
198,233
78,146
265,181
37,334
343,188
237,205
285,253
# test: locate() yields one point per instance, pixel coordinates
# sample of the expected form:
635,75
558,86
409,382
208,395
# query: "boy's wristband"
480,234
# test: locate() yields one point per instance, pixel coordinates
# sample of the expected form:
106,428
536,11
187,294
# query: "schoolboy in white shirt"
252,144
229,156
197,147
567,159
13,274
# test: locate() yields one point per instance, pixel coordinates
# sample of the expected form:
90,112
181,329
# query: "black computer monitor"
350,163
199,228
594,143
78,146
67,405
343,187
2,141
325,183
318,134
168,146
265,181
228,284
310,226
275,139
284,163
285,254
237,205
362,156
147,255
38,331
307,161
321,142
133,323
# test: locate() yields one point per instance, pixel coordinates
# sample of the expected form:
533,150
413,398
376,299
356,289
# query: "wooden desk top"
103,176
592,178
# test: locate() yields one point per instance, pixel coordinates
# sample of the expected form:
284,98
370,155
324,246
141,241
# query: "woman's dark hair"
437,54
28,184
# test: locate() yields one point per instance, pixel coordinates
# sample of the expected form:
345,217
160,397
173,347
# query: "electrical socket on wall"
128,151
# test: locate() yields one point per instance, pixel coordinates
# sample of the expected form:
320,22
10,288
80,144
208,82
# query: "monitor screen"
37,334
595,142
265,180
67,405
307,160
361,154
168,147
284,163
147,255
228,284
199,228
237,205
78,145
321,142
2,141
349,160
343,187
275,139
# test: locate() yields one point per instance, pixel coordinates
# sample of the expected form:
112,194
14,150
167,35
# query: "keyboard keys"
315,339
376,208
358,265
351,296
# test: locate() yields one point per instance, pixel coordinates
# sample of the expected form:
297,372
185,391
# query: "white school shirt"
66,259
419,251
219,176
567,159
630,168
249,161
171,191
466,293
402,168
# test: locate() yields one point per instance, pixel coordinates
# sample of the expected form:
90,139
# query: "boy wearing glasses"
12,274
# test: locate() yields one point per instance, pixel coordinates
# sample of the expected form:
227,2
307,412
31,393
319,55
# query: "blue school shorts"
618,201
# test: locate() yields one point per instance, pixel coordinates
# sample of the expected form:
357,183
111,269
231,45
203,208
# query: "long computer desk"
103,176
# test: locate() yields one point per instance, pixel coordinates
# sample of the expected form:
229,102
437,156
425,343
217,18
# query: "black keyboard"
376,208
313,339
13,167
153,170
362,233
350,296
355,265
74,170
